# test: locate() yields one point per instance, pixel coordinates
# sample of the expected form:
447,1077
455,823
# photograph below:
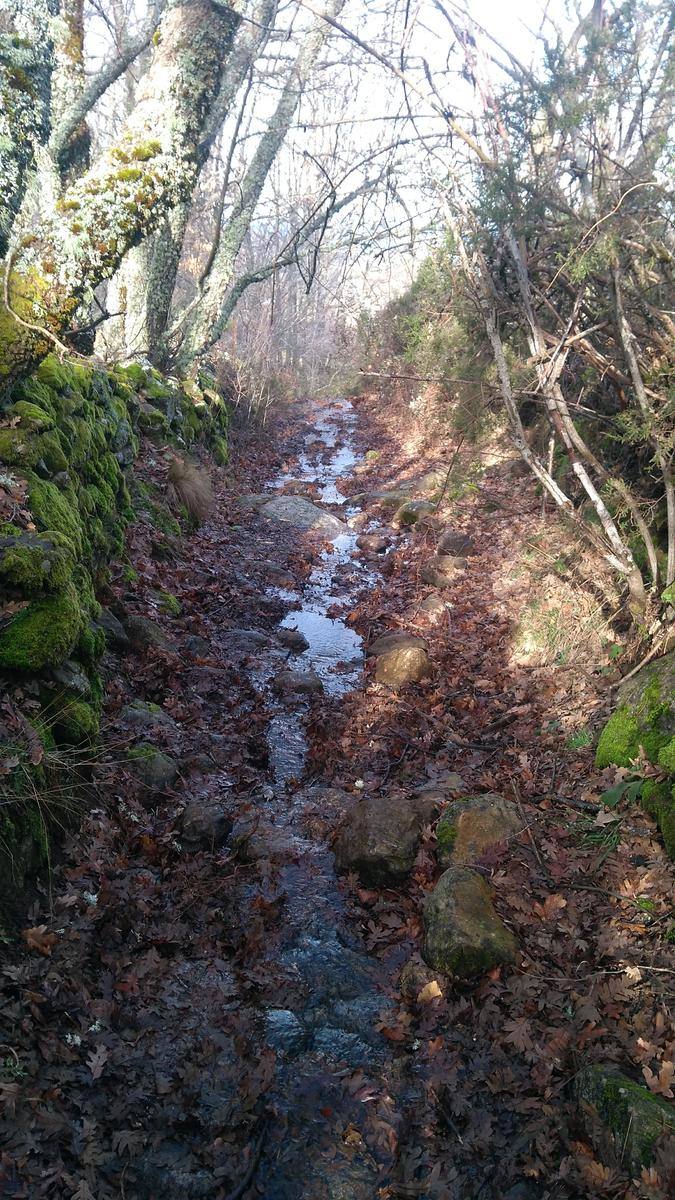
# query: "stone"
472,825
402,664
431,610
441,570
293,640
453,541
285,1033
374,543
204,823
398,639
154,769
305,682
197,646
463,934
238,643
382,835
624,1120
71,677
145,634
414,977
144,715
115,634
410,512
302,514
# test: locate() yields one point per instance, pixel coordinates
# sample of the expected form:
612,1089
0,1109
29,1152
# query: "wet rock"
454,542
204,823
403,663
340,1045
307,683
470,826
198,646
414,978
302,514
284,1032
463,934
145,634
154,1177
115,634
293,640
374,543
381,837
411,512
144,715
237,643
624,1120
441,570
155,769
328,970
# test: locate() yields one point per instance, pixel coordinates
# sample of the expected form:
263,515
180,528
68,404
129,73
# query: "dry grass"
190,486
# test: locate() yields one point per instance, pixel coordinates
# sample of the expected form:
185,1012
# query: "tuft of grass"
190,486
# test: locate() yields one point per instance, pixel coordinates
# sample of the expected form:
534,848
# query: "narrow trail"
216,1012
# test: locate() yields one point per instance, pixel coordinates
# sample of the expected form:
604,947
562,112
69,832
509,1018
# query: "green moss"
658,799
169,604
18,448
127,174
626,1119
145,150
135,375
77,722
619,742
35,564
51,453
56,510
54,374
30,416
43,634
220,450
446,835
666,758
32,391
152,421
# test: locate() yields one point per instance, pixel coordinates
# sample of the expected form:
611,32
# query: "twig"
537,855
237,1192
447,477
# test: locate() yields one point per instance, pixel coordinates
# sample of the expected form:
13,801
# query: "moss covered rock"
470,826
645,720
624,1120
76,723
34,563
462,932
42,634
154,769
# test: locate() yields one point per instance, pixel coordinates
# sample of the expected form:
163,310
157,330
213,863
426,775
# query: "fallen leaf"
38,939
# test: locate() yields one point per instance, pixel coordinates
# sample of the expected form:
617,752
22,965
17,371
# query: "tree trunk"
205,323
127,192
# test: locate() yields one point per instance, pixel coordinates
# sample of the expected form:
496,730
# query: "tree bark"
128,191
205,324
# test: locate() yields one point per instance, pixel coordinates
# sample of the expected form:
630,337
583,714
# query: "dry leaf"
431,991
38,939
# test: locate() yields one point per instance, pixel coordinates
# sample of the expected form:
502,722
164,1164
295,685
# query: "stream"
335,1000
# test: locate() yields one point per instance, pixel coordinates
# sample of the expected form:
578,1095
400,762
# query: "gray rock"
374,543
441,570
285,1033
463,934
342,1046
411,512
198,646
144,715
398,639
155,769
145,634
302,514
71,677
381,838
238,643
430,611
307,683
204,823
293,640
115,634
402,664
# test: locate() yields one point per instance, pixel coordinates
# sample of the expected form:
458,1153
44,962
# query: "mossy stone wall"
69,436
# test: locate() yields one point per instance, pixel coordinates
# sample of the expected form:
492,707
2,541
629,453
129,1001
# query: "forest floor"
202,1006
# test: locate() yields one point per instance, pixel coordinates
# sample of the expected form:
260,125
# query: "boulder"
470,826
302,514
374,543
462,932
398,639
381,838
198,646
624,1120
410,512
453,541
441,570
293,640
154,769
144,715
145,634
204,824
402,663
238,643
71,677
115,634
431,610
305,682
